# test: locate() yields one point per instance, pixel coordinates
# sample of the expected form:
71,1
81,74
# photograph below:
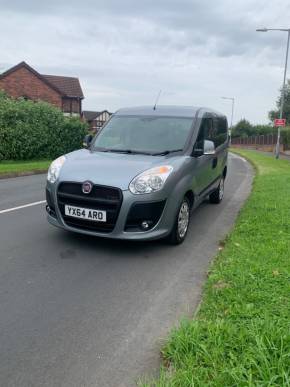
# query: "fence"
265,142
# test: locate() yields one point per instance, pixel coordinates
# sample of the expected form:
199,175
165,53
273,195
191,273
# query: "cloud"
125,51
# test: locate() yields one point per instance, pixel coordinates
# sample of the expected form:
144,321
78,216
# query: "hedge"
285,135
36,130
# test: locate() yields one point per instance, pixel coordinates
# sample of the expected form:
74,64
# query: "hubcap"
183,219
221,189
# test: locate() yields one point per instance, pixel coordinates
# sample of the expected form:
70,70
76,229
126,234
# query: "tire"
180,228
217,195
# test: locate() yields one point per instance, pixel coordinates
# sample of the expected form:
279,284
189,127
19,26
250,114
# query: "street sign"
280,122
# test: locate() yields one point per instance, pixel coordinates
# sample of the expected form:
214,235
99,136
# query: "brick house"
63,92
96,119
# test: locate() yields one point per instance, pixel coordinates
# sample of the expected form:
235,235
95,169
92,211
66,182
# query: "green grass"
10,167
241,334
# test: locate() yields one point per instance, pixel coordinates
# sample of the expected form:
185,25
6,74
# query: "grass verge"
241,334
18,168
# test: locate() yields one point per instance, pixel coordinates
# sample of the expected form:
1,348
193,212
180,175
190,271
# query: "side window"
206,132
221,132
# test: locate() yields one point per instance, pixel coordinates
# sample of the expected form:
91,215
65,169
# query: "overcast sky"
125,51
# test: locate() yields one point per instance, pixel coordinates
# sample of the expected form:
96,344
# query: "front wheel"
181,224
217,195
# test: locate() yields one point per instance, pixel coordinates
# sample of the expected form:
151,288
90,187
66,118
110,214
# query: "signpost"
279,122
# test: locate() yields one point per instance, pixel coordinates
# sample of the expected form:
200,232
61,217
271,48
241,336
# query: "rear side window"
213,129
220,131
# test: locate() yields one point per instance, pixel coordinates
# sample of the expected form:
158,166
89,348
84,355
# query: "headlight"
55,168
151,180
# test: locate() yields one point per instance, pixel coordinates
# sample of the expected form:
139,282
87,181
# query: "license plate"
86,213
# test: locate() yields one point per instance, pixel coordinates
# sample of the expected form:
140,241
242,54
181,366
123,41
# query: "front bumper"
161,227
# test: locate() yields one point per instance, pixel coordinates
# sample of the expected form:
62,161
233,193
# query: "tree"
242,129
286,109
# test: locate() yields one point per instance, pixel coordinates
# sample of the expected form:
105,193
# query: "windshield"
144,134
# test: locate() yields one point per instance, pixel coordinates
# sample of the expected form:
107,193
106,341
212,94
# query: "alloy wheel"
183,219
221,189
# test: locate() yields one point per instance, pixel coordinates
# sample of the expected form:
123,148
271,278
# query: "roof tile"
69,86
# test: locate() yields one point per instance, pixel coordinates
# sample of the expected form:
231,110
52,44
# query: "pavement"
83,311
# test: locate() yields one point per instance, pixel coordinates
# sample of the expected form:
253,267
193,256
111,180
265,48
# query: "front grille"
103,198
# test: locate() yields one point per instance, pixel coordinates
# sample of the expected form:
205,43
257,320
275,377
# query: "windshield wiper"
136,152
118,150
126,151
166,152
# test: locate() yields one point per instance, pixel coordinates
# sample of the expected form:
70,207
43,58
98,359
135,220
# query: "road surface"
81,311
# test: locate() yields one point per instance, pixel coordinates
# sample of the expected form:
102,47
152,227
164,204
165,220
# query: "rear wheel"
181,224
217,195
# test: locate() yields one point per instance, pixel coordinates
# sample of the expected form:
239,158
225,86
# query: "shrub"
263,129
245,129
33,130
285,137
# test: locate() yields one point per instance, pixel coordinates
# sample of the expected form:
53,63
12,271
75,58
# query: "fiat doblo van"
141,175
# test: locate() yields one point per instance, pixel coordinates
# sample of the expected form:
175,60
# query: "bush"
242,129
36,130
245,129
285,137
263,129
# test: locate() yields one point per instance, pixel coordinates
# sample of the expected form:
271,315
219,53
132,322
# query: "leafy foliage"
245,129
242,129
36,130
285,135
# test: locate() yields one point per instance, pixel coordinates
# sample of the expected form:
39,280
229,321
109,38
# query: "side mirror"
208,148
87,140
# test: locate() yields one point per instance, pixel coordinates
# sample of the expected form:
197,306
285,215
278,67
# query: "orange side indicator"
163,170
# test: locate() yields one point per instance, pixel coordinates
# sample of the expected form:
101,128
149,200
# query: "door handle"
214,162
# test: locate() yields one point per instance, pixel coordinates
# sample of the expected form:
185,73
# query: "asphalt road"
81,311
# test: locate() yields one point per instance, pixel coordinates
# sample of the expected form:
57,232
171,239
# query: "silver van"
141,176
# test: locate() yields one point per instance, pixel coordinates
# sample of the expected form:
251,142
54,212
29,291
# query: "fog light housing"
145,225
144,216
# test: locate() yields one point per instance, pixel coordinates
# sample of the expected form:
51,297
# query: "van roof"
163,110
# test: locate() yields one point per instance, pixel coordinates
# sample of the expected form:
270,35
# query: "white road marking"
23,206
